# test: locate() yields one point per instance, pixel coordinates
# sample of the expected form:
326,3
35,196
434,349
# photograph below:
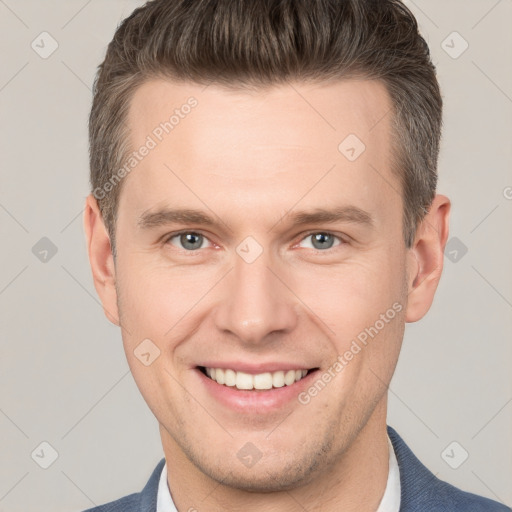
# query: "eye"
188,240
320,241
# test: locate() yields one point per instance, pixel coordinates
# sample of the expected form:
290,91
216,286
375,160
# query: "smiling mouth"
258,382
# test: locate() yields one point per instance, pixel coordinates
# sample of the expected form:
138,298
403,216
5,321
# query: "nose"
255,305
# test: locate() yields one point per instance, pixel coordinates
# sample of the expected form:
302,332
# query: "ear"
425,258
101,258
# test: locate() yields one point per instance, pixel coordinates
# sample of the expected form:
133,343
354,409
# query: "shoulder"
144,501
127,504
423,491
448,497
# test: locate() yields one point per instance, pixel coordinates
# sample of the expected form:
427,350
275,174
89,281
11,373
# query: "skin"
252,159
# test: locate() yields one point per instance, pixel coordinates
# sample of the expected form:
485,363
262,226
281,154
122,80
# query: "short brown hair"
257,43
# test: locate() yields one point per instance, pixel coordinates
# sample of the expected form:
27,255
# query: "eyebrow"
177,216
351,214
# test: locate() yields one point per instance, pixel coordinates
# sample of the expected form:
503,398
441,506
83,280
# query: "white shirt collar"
390,500
164,501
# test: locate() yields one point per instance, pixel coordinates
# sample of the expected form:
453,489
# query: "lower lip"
259,401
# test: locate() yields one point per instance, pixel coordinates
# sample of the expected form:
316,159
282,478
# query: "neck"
342,486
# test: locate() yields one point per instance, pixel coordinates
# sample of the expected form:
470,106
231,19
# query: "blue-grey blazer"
421,490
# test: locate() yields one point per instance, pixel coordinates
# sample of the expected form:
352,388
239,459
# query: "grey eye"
190,241
320,241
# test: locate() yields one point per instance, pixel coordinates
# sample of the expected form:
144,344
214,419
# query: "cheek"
351,297
154,305
153,299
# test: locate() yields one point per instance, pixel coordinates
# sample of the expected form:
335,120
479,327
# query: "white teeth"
263,381
229,378
244,380
289,377
220,376
267,380
278,379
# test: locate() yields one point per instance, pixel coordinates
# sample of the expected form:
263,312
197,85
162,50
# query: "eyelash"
168,238
341,239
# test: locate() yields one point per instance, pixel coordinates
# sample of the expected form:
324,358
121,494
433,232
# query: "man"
263,222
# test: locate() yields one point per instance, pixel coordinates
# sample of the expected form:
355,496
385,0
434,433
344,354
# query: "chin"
265,479
272,473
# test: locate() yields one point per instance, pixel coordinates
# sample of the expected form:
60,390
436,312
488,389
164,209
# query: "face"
257,246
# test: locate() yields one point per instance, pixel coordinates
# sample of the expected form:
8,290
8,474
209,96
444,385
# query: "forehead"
327,108
267,143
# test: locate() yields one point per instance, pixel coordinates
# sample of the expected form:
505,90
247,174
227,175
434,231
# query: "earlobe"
101,258
425,257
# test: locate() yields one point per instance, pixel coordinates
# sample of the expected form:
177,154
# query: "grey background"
64,379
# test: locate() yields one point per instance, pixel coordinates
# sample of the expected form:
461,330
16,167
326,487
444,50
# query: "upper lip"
255,369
